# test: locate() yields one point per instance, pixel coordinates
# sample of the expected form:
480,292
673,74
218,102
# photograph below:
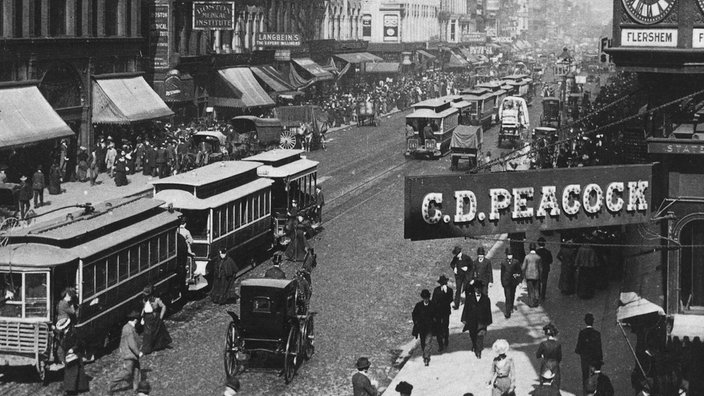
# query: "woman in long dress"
568,274
55,179
155,335
75,379
296,250
82,167
503,376
224,273
550,353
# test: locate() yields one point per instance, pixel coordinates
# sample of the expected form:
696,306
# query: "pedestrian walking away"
546,386
424,322
362,385
546,260
155,336
510,279
586,262
130,372
476,317
532,272
588,347
460,264
75,379
503,370
550,353
442,299
275,272
482,272
223,290
566,255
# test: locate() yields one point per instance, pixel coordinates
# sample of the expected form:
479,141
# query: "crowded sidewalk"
457,371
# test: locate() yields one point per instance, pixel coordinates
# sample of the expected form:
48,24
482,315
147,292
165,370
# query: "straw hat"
63,324
548,374
500,347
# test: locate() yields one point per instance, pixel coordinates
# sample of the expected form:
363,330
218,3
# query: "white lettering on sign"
591,199
649,37
697,38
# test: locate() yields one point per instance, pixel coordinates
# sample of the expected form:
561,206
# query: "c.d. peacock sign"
550,199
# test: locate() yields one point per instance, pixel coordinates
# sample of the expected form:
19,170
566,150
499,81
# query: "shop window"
692,265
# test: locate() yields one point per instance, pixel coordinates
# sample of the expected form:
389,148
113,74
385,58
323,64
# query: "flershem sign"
551,199
649,37
213,15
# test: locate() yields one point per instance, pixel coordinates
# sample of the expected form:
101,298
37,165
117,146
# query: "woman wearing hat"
503,377
75,379
225,269
550,353
155,335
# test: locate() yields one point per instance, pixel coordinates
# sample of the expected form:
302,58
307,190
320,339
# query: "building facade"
343,20
401,21
455,20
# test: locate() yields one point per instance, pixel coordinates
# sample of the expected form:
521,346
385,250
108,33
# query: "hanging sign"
269,39
649,37
452,206
367,25
213,15
390,27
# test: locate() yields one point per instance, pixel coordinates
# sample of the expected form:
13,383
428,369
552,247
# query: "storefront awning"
330,66
272,78
26,117
690,326
634,305
319,74
382,67
126,99
246,93
457,62
359,57
425,54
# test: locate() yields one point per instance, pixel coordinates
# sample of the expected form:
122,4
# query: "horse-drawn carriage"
367,114
465,146
513,116
544,139
275,327
303,126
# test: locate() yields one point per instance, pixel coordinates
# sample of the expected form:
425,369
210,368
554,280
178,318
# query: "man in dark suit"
546,259
476,317
442,299
361,384
481,271
319,199
510,278
424,323
588,346
460,264
275,272
130,354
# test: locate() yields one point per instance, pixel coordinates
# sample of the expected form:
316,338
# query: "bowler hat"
541,241
404,387
480,251
133,315
443,279
457,249
363,363
425,293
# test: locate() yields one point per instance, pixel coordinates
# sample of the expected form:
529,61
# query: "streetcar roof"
471,96
427,113
461,104
33,256
181,199
287,170
266,282
267,157
433,103
210,173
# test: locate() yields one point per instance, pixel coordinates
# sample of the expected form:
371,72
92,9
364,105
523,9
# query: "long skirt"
224,290
554,366
120,179
75,379
82,171
567,279
155,335
501,387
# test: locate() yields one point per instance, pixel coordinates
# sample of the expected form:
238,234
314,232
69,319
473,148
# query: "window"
255,206
111,17
238,214
57,17
163,247
245,218
172,243
88,280
36,299
250,209
12,292
112,270
101,276
261,305
223,220
692,265
216,223
197,223
134,260
230,219
153,251
143,256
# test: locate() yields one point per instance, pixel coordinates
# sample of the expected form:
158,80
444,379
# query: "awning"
247,92
319,74
382,67
26,117
126,99
482,58
359,57
425,54
633,305
690,326
272,78
331,67
457,62
298,81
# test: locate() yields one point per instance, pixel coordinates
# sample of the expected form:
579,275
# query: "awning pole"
633,351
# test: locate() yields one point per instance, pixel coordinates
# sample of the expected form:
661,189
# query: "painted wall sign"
268,39
451,206
649,37
213,15
367,25
390,27
158,14
697,38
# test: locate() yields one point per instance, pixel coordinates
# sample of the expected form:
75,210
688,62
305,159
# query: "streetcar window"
267,202
230,218
245,216
143,256
112,270
123,264
261,305
163,247
197,221
250,209
100,276
11,305
88,280
172,244
238,213
153,251
223,220
216,223
255,206
37,296
134,260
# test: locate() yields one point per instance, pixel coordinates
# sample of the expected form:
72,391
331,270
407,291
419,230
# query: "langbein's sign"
550,199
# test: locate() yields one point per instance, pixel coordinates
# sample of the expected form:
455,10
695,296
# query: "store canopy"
26,117
330,66
688,326
272,78
319,74
126,99
298,81
425,54
247,91
457,62
383,67
359,57
633,305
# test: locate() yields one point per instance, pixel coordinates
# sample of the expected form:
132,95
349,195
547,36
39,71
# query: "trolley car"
274,324
110,252
442,118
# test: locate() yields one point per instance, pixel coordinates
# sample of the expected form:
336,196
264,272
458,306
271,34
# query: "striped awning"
247,91
122,100
317,71
272,78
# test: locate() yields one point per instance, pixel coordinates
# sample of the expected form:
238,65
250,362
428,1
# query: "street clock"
650,11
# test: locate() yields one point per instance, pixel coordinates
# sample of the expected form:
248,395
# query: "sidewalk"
457,371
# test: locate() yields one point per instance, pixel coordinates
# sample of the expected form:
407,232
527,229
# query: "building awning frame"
317,71
247,92
359,57
126,99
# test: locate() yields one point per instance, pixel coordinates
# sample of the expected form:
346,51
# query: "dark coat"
162,156
509,268
586,257
476,314
545,390
38,180
319,199
25,193
275,273
482,271
443,300
463,261
424,318
600,385
589,345
545,258
223,275
362,386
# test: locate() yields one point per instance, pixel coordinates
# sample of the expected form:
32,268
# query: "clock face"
650,11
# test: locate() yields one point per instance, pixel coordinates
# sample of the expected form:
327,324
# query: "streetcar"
294,178
108,252
523,86
464,108
442,118
497,88
225,205
483,102
275,324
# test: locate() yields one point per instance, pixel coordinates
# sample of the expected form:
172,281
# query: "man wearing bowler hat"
130,354
361,384
424,323
461,265
442,299
481,271
476,317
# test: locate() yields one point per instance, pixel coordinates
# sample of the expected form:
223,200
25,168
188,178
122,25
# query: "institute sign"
452,206
213,15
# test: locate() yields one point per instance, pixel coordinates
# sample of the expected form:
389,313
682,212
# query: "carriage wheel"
287,140
232,347
291,354
307,337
